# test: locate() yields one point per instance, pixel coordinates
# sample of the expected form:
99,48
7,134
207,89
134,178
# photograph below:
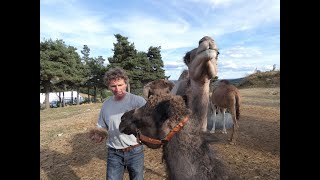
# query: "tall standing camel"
226,96
202,66
157,87
165,121
158,123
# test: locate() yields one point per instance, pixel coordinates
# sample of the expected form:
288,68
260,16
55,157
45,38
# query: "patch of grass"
51,135
269,97
74,156
67,112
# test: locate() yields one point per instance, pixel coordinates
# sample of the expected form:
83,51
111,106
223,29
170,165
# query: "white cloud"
242,52
172,24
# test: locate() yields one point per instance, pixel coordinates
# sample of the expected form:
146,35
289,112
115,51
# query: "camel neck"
188,156
198,99
182,148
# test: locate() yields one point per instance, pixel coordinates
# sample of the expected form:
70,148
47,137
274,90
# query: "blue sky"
247,32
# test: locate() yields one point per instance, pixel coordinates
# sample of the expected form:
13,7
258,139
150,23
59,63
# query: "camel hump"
161,83
184,75
224,81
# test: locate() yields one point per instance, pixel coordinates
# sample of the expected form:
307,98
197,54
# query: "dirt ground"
67,153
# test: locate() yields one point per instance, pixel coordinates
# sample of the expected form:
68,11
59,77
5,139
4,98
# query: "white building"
54,96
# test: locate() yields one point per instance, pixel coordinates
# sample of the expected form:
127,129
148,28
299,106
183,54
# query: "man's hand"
97,134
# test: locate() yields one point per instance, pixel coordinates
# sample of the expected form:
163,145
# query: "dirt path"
67,153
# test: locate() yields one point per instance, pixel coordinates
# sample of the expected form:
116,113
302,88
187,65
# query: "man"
123,150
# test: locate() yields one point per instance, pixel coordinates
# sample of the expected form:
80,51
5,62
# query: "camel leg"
233,114
233,135
234,127
224,130
214,117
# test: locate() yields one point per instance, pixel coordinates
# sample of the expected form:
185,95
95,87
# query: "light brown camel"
202,67
157,87
226,97
165,121
183,76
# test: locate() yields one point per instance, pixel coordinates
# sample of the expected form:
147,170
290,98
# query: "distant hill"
261,79
235,82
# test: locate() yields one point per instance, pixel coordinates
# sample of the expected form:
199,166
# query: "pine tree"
60,67
156,63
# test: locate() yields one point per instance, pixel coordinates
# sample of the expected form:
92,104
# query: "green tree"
137,74
155,59
124,54
89,74
60,67
86,53
78,75
148,67
97,71
141,67
52,58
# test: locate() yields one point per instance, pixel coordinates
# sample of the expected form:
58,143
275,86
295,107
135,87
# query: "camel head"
155,119
157,87
202,61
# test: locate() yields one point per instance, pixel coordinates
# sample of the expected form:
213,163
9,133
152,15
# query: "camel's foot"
212,131
232,143
224,131
237,125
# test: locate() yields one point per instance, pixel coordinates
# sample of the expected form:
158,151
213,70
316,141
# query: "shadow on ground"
58,165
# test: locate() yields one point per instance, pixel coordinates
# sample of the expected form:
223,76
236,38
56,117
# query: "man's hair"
115,73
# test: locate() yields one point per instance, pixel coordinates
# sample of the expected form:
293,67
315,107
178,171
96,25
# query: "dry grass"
67,153
257,153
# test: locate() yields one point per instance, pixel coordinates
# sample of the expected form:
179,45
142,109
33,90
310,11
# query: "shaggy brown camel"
160,86
226,96
202,66
165,121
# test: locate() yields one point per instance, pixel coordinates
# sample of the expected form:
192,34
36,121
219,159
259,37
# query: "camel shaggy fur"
226,96
187,154
202,67
157,87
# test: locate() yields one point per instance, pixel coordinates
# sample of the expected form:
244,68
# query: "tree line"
63,69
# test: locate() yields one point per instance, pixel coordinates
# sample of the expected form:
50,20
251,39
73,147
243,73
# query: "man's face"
118,88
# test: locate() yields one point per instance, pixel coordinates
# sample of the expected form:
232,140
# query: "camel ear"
186,58
136,112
